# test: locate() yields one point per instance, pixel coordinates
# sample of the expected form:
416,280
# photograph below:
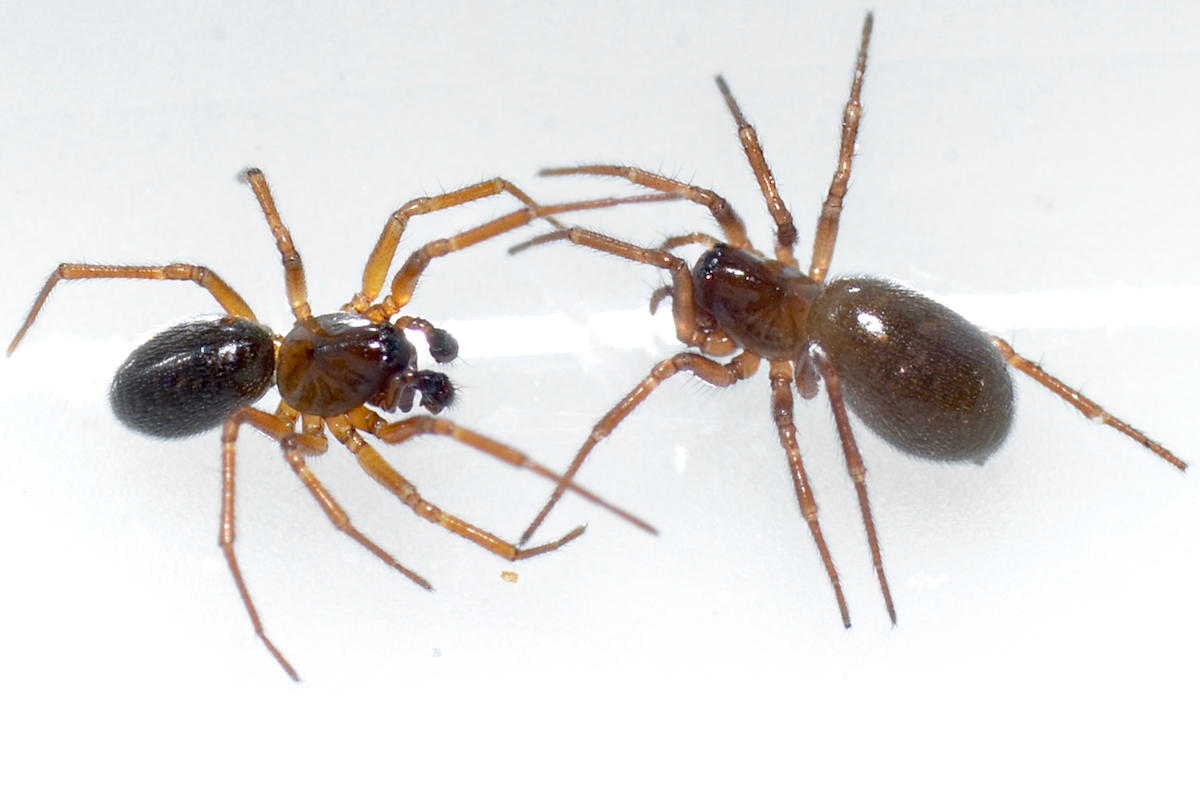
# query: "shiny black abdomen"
920,375
188,378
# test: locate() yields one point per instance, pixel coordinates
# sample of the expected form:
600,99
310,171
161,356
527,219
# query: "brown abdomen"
920,375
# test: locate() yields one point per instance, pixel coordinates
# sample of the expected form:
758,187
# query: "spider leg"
405,280
343,428
858,472
831,210
713,372
1087,407
295,446
384,252
785,229
683,302
404,430
293,267
718,207
781,410
676,241
226,296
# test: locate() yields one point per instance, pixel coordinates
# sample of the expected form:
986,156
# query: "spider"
922,377
329,369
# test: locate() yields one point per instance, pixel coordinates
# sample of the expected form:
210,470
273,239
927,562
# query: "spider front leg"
683,303
225,295
785,228
293,267
405,280
831,210
718,207
384,252
703,238
295,446
713,372
402,431
387,476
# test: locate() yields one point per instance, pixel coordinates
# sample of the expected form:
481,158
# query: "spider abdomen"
920,375
188,379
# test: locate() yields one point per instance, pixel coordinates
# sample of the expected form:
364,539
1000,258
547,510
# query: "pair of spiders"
919,375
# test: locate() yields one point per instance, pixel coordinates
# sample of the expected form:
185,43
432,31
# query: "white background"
1035,167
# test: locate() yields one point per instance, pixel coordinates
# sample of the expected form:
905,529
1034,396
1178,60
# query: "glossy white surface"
1035,169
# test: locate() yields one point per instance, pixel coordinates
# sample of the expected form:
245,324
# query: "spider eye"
710,262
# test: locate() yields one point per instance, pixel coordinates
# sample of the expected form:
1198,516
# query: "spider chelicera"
922,377
329,369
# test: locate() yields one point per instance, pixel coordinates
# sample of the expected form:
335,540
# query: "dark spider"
329,368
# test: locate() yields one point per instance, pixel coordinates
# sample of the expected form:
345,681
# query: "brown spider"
919,375
206,373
